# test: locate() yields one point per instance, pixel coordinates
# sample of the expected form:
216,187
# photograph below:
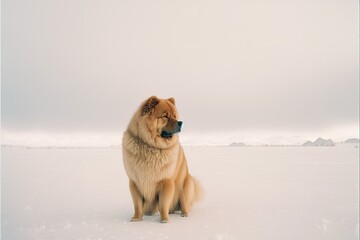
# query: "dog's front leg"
138,202
166,195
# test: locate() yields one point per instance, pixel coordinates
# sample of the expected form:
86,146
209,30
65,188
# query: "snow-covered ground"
250,193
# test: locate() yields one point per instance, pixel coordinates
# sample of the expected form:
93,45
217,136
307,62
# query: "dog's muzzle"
177,129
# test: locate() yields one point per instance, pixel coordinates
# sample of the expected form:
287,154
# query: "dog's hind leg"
186,196
175,208
150,207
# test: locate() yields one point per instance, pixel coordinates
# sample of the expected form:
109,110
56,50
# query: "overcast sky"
237,65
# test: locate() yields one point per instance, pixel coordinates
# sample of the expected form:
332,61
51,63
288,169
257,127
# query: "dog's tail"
192,191
198,191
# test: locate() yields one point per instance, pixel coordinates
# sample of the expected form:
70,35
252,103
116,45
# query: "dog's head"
158,123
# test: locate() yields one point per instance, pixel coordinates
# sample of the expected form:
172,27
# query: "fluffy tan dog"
155,163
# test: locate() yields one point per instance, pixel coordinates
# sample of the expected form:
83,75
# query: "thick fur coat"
155,162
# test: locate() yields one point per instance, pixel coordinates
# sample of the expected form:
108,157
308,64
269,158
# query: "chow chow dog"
155,162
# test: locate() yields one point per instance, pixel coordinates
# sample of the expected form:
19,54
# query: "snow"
250,193
352,140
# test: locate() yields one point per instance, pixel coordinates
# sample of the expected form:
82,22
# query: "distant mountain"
237,144
320,142
308,143
323,142
352,140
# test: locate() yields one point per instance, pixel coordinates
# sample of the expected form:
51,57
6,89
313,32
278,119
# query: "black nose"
179,123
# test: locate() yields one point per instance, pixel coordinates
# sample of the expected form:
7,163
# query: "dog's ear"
172,100
149,104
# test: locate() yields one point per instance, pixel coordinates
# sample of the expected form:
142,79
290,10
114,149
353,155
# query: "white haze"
248,68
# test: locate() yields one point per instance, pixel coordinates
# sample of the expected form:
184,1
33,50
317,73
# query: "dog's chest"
156,167
148,167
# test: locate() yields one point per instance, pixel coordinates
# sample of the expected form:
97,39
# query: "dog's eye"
165,117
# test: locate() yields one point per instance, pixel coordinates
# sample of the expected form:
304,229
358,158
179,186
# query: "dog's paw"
184,214
165,220
135,219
